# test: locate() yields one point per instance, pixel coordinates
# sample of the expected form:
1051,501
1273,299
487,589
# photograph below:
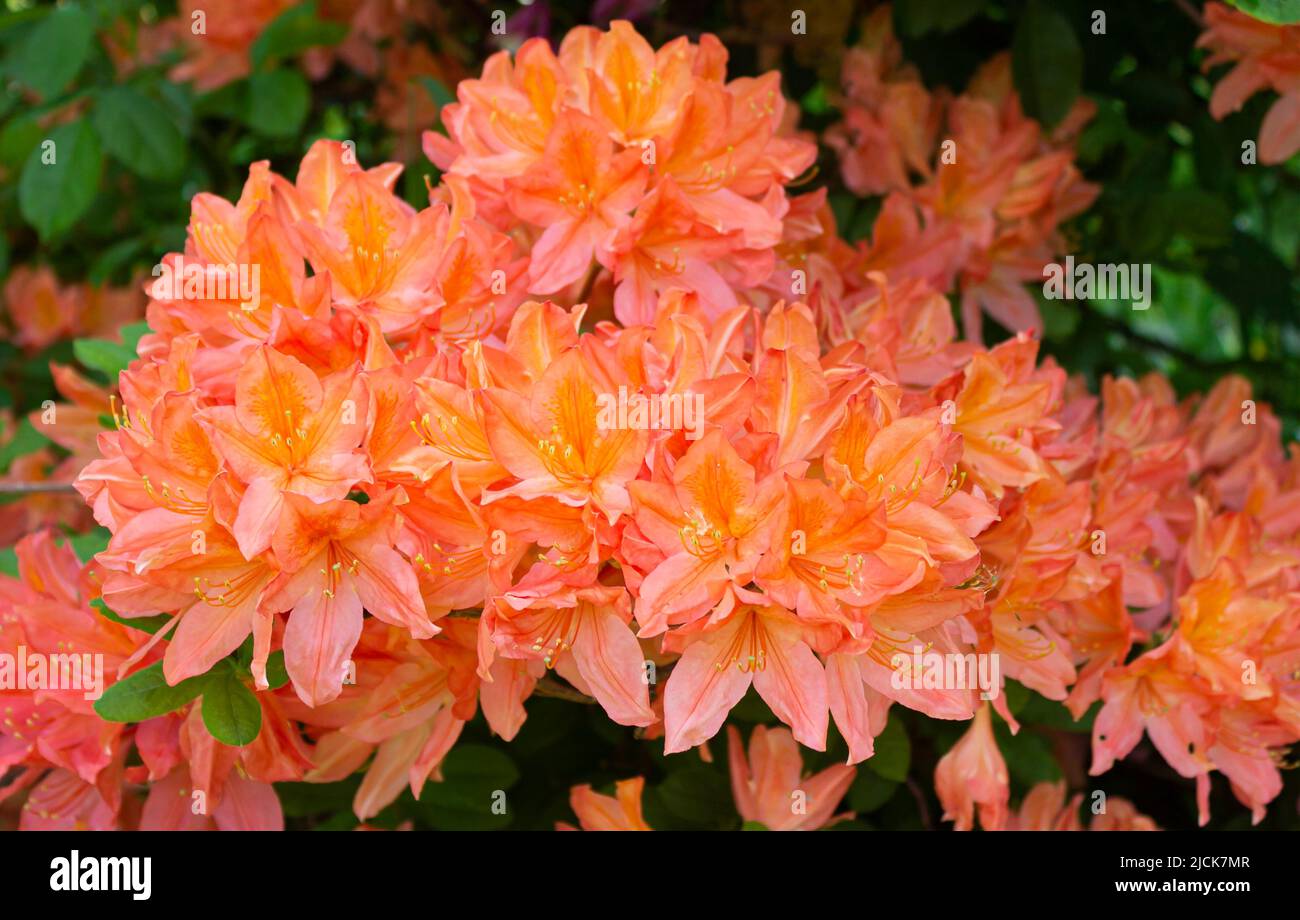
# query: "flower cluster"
43,310
975,190
1263,57
389,490
1153,568
215,42
73,426
215,38
647,164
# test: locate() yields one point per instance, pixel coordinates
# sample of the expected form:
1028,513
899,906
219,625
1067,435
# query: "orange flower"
288,432
619,812
774,791
337,558
1264,56
973,775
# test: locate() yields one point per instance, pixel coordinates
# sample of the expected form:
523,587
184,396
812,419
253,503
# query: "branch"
36,488
1133,335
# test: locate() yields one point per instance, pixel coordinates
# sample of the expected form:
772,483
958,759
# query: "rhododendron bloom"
973,776
770,787
620,812
1263,56
386,493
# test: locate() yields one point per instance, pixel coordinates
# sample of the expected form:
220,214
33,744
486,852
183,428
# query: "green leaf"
293,31
132,333
698,795
53,196
893,752
18,138
1251,275
752,708
54,51
300,800
112,258
1047,63
277,675
1201,217
26,440
754,826
1017,695
231,712
88,545
1039,710
136,131
816,101
179,104
277,102
145,624
109,358
146,694
1278,12
1028,755
437,91
870,791
471,773
917,17
9,100
473,777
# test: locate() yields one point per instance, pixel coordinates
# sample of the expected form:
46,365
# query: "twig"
921,805
548,687
35,488
1124,329
1192,12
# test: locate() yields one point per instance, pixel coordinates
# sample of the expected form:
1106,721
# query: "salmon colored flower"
288,432
582,631
992,186
1044,809
337,559
770,787
710,523
1263,56
552,442
973,775
619,812
582,193
42,312
616,162
745,643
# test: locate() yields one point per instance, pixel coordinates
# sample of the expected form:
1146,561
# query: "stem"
593,272
553,688
1191,11
36,488
921,805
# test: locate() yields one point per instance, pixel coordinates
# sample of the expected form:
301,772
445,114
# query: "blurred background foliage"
136,143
